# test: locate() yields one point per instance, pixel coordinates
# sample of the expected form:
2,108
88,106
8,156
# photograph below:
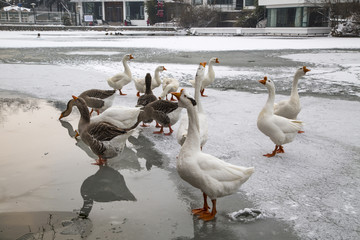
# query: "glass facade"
135,10
295,17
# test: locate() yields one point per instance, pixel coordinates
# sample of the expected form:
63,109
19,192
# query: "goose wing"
98,93
221,170
164,106
104,131
286,125
146,99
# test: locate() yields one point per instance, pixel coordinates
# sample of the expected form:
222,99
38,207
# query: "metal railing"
37,17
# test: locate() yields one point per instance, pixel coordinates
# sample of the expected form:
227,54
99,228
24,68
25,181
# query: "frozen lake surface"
310,192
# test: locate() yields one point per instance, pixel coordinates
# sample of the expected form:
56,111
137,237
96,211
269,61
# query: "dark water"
237,70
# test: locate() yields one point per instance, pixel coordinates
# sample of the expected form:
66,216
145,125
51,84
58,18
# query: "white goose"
156,81
279,129
214,177
119,80
184,122
169,85
209,77
290,108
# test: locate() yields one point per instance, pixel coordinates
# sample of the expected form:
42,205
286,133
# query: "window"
249,3
289,17
135,10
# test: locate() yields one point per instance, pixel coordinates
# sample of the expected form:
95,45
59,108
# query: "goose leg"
160,131
157,125
209,216
204,209
170,131
172,98
273,153
144,125
100,161
98,112
121,92
76,134
280,149
202,93
91,111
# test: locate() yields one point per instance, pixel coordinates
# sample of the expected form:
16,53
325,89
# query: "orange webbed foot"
199,211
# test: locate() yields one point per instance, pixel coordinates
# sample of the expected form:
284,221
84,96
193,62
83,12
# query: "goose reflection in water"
106,185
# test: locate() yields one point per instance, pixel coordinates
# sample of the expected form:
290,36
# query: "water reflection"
146,149
106,185
15,105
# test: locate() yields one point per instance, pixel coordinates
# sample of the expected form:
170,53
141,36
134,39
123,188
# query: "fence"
37,17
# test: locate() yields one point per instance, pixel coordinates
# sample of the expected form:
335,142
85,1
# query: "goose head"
80,103
300,72
128,57
201,69
214,60
268,83
68,109
160,69
185,99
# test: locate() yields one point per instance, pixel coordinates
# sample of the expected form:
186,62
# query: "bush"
199,16
66,20
350,28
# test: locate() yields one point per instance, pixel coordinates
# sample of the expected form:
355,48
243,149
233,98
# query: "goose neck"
126,67
269,106
157,77
193,137
294,89
84,117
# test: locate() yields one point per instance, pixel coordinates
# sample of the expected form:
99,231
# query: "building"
230,5
113,12
294,13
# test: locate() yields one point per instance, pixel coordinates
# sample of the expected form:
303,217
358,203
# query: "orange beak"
203,64
75,97
61,116
177,94
263,81
306,69
217,60
164,69
131,56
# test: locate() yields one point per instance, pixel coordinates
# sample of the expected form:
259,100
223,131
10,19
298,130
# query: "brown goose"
164,112
146,98
149,96
105,139
97,99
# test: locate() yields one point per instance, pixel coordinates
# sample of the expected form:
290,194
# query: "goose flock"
106,133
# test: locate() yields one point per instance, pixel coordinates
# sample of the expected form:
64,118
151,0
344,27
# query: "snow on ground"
312,186
28,39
